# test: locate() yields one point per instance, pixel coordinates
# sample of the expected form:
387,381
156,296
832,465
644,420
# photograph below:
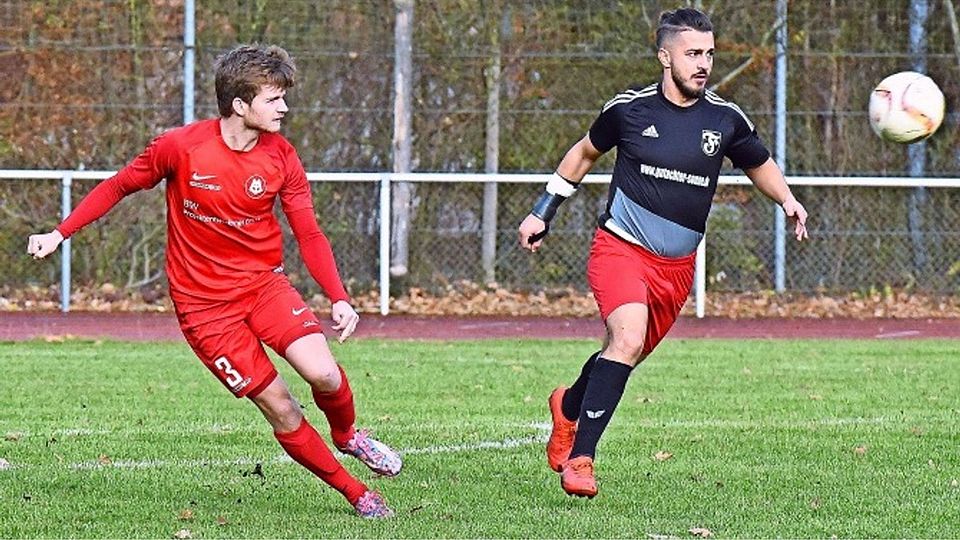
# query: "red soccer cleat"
561,437
577,477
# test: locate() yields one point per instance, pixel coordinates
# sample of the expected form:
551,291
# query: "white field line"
178,463
506,444
763,424
216,429
223,429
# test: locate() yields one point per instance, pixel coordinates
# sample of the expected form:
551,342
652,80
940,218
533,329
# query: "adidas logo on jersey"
651,132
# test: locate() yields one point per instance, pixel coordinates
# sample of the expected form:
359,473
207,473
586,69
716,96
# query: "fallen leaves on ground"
701,532
469,298
662,455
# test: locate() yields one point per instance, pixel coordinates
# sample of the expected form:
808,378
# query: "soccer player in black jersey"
671,139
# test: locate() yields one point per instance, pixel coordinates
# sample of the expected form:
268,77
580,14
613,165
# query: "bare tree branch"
749,61
144,245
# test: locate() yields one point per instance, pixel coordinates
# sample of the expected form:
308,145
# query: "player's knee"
286,416
280,409
629,345
326,380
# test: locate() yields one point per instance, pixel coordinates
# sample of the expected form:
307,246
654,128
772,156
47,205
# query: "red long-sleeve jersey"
222,233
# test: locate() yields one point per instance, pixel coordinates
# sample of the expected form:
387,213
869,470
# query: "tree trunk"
403,192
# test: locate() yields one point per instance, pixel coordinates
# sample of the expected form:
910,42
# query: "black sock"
604,390
573,398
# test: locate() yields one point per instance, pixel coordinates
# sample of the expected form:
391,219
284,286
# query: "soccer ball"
906,107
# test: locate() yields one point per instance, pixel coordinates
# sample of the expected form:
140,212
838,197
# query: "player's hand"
796,212
530,226
345,319
41,245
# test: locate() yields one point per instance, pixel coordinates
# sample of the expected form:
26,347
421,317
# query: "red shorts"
623,273
227,336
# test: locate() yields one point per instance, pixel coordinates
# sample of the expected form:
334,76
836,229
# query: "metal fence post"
384,243
917,153
65,207
779,219
700,278
189,59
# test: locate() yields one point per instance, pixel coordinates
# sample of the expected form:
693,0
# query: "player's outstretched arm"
145,171
41,245
576,163
770,181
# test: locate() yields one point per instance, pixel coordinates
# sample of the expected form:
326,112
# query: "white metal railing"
385,179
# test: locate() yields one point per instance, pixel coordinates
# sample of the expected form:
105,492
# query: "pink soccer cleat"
371,505
374,454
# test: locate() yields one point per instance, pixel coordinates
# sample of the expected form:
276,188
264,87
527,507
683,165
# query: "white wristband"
559,185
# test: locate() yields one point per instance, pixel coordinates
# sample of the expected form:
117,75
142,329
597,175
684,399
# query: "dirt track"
17,326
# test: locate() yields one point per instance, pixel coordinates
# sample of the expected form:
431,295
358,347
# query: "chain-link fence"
858,243
88,83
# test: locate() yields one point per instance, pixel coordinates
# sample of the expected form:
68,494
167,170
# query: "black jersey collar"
672,105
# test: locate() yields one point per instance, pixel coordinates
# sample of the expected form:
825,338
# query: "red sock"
306,447
338,408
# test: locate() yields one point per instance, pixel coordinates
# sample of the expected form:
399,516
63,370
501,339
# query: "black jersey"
668,161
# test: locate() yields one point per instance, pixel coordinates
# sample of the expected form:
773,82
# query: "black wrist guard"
546,206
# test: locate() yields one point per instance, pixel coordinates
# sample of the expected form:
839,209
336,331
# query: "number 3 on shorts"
233,378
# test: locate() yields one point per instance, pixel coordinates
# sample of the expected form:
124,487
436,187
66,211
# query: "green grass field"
767,439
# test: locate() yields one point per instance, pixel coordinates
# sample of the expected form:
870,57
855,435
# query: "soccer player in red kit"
225,270
671,139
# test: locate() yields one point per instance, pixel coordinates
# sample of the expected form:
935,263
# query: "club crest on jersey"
256,186
710,143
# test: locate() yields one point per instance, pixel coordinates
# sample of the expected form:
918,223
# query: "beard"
688,91
259,124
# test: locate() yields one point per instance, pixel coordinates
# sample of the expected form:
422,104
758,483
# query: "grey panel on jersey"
659,235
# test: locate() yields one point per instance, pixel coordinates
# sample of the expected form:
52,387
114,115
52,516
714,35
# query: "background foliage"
89,82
